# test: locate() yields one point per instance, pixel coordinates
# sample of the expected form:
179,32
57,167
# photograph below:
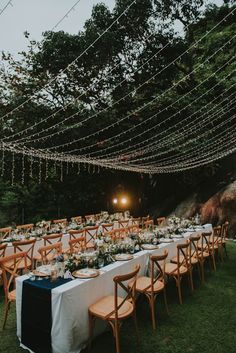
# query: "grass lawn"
205,323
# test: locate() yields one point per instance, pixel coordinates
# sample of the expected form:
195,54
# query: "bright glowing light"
124,200
115,201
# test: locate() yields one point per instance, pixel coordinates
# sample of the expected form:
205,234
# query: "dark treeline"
98,79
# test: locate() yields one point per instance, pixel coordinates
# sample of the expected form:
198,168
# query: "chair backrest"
77,219
51,239
183,252
2,249
5,232
52,249
90,234
9,272
148,224
144,219
98,216
121,281
161,221
25,227
158,263
77,245
123,224
194,247
106,227
119,233
136,221
26,246
76,233
60,221
217,235
224,230
206,239
133,228
90,217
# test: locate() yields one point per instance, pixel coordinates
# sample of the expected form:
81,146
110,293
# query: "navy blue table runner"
36,314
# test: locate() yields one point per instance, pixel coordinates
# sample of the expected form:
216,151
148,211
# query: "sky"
37,16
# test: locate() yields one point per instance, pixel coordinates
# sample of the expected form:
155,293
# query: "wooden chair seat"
194,260
144,284
105,306
203,254
172,269
12,295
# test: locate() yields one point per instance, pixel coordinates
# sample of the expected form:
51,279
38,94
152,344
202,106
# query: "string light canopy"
199,138
32,138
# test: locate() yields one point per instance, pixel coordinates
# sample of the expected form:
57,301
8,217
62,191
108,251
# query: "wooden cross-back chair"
98,216
106,227
77,245
2,250
193,254
49,252
48,240
73,234
161,221
90,217
90,234
123,224
119,233
181,268
133,228
9,275
145,219
76,233
113,308
206,251
25,228
60,221
5,232
152,286
136,221
148,224
77,219
216,241
224,235
2,254
52,238
26,246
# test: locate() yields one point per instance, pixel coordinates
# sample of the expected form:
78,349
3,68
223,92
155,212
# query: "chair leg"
165,301
152,307
190,277
7,308
213,261
226,253
199,271
221,253
202,271
91,326
136,325
117,337
178,283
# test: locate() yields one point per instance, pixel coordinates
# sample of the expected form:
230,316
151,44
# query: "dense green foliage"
204,323
89,88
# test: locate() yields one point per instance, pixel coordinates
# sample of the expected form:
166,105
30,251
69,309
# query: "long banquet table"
70,301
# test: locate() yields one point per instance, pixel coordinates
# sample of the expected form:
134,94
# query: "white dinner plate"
123,257
149,246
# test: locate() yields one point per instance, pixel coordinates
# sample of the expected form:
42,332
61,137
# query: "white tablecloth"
70,301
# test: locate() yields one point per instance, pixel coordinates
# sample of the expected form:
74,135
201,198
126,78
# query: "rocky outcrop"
216,210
